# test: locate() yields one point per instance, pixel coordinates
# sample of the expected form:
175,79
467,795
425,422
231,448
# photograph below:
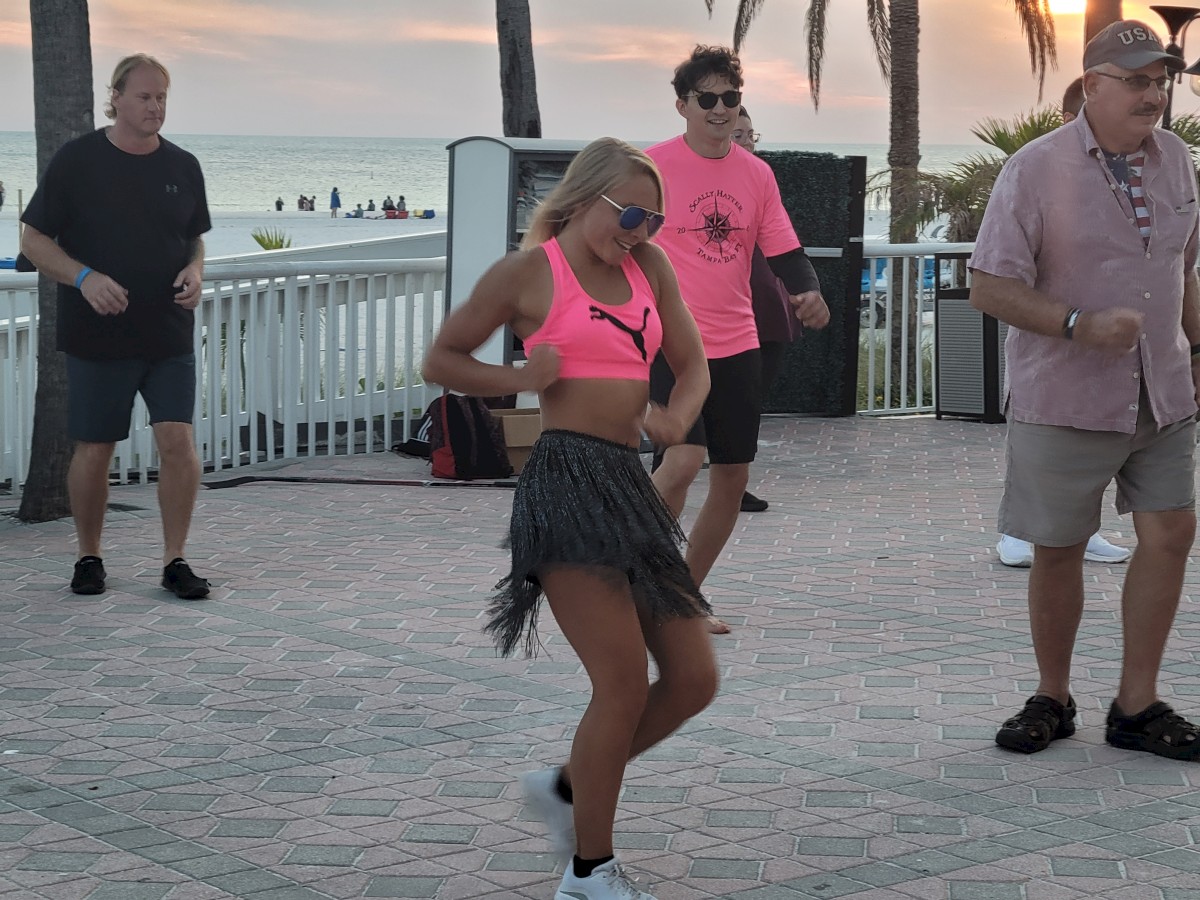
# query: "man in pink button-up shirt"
1088,251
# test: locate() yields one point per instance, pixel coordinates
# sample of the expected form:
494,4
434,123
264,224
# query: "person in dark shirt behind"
117,221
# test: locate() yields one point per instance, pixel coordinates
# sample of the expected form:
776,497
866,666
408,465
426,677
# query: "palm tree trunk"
904,150
904,159
518,83
1099,15
62,108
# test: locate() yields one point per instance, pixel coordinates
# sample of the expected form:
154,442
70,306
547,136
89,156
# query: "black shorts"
728,424
100,394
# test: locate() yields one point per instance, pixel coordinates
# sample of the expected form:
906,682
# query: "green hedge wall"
824,196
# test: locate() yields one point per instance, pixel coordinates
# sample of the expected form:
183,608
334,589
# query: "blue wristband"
83,273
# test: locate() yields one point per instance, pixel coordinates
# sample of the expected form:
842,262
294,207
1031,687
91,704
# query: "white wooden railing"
279,378
294,359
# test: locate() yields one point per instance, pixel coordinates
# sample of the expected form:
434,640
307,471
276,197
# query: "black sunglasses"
707,99
633,216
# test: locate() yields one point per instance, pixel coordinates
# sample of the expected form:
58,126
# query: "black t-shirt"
133,218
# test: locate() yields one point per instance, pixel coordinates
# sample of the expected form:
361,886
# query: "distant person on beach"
370,206
388,203
302,203
1014,551
278,204
128,257
777,326
721,201
401,206
1,195
593,300
358,211
335,203
1088,251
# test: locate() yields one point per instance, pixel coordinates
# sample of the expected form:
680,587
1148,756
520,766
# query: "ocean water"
247,173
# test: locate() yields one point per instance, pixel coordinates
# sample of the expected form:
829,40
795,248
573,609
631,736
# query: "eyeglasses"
752,136
633,216
707,99
1139,83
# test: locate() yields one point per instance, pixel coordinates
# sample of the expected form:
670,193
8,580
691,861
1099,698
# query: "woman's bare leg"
595,610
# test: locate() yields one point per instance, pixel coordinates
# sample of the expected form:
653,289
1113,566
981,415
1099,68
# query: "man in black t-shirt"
117,221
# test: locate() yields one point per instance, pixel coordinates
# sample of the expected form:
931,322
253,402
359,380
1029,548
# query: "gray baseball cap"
1128,44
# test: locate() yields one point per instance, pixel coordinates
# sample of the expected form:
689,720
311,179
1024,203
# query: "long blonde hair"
596,169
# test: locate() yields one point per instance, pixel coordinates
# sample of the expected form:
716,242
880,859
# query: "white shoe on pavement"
541,796
607,882
1100,550
1015,552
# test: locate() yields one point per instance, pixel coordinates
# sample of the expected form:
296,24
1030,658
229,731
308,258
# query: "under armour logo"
172,188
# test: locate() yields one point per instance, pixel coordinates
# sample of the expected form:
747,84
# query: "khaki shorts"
1056,478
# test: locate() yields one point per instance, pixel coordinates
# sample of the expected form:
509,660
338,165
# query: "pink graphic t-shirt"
717,210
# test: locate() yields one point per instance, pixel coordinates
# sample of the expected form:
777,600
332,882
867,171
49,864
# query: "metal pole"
1166,118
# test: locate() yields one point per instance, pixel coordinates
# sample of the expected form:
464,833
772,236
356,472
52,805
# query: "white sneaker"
1100,550
607,882
1015,552
541,796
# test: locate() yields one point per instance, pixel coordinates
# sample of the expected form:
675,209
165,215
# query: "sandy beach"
230,233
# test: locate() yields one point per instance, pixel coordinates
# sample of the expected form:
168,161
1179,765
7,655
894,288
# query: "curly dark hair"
706,62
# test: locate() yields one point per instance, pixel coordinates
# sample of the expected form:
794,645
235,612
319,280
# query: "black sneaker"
750,503
179,578
89,576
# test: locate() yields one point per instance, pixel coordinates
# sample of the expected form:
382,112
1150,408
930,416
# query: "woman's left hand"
663,427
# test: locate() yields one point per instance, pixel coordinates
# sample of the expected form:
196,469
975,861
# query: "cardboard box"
521,429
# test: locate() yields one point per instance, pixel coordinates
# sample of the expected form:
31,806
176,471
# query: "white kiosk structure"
495,184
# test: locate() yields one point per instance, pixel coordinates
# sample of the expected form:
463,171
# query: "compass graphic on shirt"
718,227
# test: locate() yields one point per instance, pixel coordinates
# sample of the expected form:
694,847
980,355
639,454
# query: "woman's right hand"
541,367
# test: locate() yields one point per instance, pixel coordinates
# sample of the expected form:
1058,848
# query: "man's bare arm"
49,258
103,294
1115,330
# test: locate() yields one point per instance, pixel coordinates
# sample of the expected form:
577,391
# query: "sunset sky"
414,68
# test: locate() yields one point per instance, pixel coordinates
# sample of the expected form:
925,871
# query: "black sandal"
1042,720
1157,729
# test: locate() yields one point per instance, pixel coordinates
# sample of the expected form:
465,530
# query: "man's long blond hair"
120,75
597,169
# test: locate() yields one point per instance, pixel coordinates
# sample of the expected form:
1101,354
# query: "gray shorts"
1056,478
100,394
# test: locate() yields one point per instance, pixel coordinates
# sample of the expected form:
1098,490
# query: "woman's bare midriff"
608,408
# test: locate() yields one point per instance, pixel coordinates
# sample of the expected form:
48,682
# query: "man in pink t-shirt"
721,200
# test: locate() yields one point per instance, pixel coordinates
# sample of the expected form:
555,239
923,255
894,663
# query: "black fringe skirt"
586,501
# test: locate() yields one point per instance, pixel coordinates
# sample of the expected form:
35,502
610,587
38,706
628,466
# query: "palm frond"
960,194
1010,135
1037,24
877,21
270,238
709,4
815,27
1187,127
747,10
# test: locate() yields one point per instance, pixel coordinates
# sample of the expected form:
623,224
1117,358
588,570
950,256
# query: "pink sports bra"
595,340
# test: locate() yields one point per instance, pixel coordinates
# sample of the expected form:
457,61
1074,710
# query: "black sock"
563,789
584,867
